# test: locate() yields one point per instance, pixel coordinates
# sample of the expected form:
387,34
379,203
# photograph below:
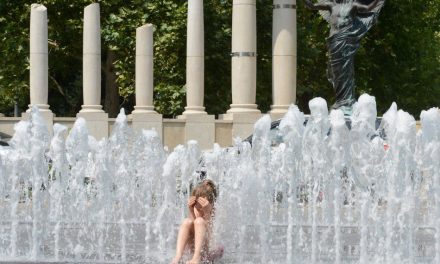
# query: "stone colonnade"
199,125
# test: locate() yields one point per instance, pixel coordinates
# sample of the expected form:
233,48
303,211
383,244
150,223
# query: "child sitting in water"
196,230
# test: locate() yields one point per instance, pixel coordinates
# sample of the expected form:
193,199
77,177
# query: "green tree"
14,47
399,59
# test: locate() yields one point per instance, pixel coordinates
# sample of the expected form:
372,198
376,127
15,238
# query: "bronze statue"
349,21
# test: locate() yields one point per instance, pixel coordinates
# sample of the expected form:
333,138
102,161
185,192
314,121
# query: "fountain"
327,194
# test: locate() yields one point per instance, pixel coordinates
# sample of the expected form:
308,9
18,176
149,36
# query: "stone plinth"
242,123
195,59
275,115
200,128
283,56
146,121
244,60
47,115
223,135
97,123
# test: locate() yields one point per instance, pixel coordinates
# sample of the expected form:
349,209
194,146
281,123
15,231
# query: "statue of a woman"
349,21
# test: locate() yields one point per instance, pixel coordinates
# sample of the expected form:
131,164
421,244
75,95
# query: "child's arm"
206,207
191,204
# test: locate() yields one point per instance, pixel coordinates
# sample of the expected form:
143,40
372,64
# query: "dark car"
4,139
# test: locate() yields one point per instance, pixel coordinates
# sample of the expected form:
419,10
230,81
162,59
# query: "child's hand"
204,203
204,207
191,202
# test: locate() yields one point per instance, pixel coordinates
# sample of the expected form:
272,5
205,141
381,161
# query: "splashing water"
327,194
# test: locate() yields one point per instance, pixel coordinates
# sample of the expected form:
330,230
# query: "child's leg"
200,228
185,231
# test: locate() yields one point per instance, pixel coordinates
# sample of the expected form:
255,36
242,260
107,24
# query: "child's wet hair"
206,189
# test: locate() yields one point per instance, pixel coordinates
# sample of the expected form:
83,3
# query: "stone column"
243,112
144,116
91,110
144,69
195,59
196,118
244,61
39,63
39,57
283,56
92,60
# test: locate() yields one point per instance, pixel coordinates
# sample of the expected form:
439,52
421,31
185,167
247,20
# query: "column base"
41,108
97,123
242,123
144,109
193,110
45,112
243,108
278,111
91,109
200,127
146,120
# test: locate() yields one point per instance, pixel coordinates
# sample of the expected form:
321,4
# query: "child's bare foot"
175,260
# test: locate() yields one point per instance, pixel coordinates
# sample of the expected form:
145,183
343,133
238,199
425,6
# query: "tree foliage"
399,59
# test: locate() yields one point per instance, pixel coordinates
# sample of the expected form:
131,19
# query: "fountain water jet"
327,194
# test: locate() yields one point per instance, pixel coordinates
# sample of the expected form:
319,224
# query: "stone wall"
173,130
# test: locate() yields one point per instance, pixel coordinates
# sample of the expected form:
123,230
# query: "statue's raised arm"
327,6
365,8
